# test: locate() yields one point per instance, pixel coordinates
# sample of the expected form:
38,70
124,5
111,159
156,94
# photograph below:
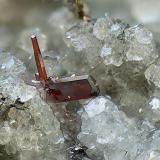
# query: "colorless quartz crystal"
141,45
106,127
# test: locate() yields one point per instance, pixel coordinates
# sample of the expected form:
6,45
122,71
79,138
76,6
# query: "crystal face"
104,126
42,76
72,88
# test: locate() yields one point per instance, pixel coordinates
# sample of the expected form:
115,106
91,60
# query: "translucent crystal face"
72,88
115,42
152,74
141,45
108,128
10,66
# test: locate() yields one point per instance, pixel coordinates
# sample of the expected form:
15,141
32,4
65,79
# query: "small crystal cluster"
113,41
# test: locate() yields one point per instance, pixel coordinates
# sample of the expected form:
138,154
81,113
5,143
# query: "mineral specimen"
121,124
64,89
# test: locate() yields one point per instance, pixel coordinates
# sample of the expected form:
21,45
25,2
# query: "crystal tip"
33,36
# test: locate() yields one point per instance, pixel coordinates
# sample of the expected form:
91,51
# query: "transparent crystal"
152,74
132,102
141,45
109,132
101,28
112,53
107,26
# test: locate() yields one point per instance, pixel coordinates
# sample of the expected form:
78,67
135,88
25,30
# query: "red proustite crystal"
39,61
72,88
64,89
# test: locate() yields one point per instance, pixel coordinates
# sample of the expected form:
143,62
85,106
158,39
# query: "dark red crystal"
42,76
72,88
63,89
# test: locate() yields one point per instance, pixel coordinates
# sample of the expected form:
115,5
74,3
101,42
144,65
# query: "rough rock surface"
28,127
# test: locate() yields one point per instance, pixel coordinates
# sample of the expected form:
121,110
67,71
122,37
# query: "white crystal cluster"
113,42
31,131
125,62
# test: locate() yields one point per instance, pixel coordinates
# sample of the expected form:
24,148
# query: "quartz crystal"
124,61
10,65
101,28
85,45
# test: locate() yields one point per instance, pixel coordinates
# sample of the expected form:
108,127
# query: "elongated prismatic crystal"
63,89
